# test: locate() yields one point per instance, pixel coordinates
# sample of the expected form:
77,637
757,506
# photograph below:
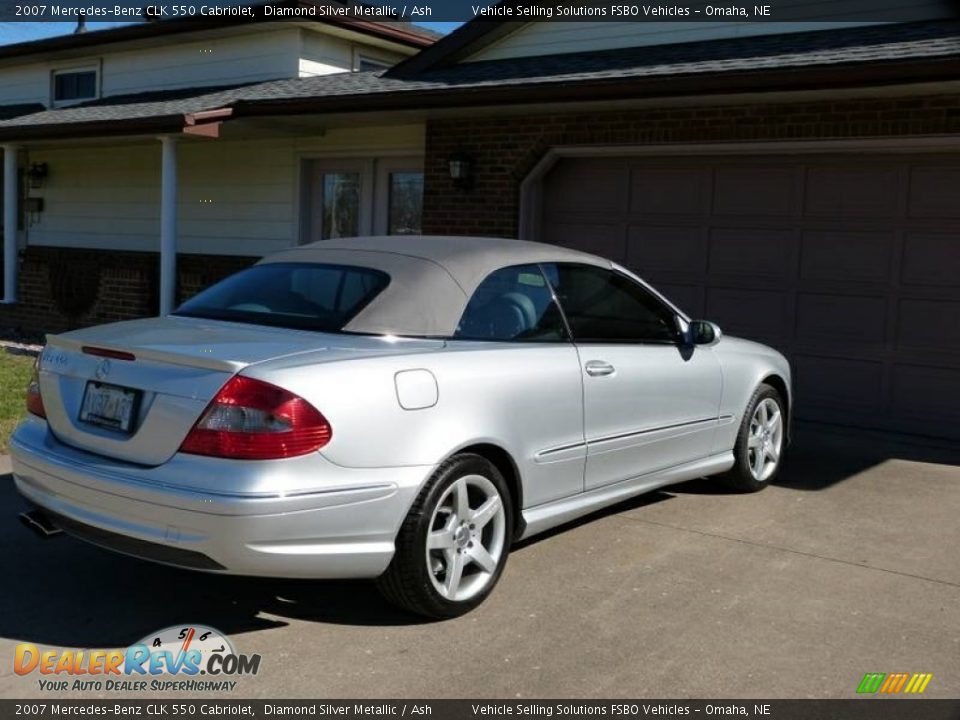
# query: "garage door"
849,265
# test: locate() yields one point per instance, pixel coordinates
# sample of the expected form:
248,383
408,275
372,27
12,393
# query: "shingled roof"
16,110
827,58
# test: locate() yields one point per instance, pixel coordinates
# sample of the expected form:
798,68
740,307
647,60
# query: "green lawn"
14,375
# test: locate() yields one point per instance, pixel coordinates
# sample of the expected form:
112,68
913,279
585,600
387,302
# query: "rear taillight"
254,420
34,399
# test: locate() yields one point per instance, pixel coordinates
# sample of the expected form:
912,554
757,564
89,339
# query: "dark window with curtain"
74,85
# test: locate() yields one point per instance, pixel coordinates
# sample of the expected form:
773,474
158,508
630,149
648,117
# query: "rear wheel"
758,452
453,545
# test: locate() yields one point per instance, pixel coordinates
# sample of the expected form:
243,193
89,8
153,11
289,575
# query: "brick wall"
506,148
64,288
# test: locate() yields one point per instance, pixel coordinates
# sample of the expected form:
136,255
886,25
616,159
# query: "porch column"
10,212
168,224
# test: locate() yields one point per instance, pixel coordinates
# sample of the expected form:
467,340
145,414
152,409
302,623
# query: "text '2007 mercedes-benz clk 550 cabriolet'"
393,408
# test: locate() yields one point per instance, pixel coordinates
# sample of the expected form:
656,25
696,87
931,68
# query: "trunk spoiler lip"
147,353
144,352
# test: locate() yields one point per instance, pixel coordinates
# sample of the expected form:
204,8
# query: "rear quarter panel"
522,398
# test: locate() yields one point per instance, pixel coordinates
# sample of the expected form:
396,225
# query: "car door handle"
598,368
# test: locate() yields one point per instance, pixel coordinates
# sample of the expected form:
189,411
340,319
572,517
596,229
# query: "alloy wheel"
765,442
465,542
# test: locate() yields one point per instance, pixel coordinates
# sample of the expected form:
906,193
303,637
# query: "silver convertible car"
397,408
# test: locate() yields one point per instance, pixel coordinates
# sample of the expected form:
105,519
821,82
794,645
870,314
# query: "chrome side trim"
648,431
548,454
559,449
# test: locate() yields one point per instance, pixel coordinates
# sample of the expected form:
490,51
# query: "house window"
340,202
74,85
347,197
405,203
365,64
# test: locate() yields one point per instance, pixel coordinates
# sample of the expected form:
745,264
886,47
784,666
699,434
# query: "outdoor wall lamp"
37,174
461,167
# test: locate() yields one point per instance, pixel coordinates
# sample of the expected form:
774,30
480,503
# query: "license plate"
110,406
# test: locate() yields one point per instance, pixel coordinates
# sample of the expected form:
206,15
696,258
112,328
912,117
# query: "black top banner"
875,709
837,11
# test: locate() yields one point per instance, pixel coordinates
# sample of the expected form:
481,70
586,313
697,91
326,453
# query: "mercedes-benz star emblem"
103,369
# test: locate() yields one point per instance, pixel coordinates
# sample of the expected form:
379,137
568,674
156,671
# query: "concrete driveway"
850,565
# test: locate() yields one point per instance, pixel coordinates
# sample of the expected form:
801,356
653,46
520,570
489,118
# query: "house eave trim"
190,123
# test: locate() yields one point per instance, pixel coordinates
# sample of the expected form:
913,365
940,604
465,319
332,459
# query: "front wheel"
758,452
453,545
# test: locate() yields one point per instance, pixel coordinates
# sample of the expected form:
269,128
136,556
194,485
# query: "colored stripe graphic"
871,682
894,683
918,683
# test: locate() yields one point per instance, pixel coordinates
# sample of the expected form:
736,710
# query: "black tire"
740,477
407,581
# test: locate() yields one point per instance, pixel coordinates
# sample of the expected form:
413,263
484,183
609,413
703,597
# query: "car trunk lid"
140,409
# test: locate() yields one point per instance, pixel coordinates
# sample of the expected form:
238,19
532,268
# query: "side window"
604,306
514,303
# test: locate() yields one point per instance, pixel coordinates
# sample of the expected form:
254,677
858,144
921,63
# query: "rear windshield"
303,296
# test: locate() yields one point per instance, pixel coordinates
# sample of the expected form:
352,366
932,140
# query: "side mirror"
703,332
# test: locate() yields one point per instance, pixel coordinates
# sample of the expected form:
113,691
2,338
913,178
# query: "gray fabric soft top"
431,277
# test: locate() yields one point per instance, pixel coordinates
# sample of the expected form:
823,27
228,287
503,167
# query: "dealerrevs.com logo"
186,658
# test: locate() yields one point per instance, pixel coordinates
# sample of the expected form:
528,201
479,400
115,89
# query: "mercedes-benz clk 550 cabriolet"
399,408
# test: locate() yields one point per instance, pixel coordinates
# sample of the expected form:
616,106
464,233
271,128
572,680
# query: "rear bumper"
339,523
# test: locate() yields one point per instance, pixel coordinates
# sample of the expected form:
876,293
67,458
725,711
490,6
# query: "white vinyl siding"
236,197
266,55
25,84
324,55
312,68
220,61
550,38
258,55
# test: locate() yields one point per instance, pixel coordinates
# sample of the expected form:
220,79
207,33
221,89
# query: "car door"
651,401
523,376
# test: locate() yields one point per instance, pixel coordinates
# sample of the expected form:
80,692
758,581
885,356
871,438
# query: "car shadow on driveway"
822,456
64,592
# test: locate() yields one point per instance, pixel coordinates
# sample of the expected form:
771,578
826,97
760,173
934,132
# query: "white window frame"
94,68
364,54
374,188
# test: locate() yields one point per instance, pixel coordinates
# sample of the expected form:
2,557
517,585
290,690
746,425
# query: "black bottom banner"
860,709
